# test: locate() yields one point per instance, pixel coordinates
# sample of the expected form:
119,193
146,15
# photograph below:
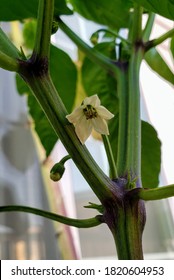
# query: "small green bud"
55,26
58,169
94,38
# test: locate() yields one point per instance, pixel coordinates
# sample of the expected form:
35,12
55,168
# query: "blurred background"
24,172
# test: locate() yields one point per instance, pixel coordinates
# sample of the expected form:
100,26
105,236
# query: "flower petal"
76,115
100,125
83,129
104,113
92,100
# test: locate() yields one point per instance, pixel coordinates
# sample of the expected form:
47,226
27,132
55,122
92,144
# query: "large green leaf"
114,14
151,156
164,8
157,63
17,10
64,75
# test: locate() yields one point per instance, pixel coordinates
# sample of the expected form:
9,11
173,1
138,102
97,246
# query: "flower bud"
56,172
58,169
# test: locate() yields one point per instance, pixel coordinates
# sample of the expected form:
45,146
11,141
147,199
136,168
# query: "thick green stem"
126,222
44,26
79,223
128,218
136,30
120,236
134,123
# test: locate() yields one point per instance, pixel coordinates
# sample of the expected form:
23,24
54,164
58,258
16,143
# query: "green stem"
115,34
79,223
136,30
134,124
8,63
156,193
120,237
64,159
123,120
44,26
93,54
157,41
108,149
148,28
36,75
55,111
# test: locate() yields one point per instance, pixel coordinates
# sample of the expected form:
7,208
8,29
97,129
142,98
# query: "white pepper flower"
88,116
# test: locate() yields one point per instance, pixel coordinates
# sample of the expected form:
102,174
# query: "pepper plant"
109,76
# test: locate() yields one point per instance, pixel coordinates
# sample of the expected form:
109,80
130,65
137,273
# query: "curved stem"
64,159
114,34
79,223
93,54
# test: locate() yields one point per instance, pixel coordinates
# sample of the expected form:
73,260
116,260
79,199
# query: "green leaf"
151,156
18,10
157,63
29,32
164,8
43,128
114,14
64,75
